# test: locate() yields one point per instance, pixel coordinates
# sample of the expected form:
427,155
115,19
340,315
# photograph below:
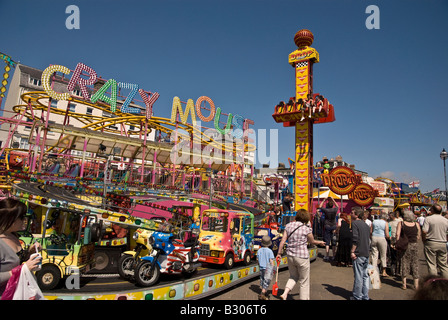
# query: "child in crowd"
265,258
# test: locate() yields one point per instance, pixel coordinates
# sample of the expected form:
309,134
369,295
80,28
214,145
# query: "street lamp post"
444,156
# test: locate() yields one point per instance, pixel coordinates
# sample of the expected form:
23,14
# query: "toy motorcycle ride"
130,259
170,256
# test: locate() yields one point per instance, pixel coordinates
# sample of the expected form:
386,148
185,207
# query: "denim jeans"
362,280
266,276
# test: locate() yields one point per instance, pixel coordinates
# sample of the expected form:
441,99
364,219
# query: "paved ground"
328,282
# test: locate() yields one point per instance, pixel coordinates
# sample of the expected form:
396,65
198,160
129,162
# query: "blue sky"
387,86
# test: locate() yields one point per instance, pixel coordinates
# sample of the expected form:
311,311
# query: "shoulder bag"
294,231
289,235
402,243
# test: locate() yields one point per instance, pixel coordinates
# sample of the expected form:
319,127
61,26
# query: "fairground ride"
84,152
405,199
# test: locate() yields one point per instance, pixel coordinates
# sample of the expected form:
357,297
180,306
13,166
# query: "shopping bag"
374,275
27,287
11,286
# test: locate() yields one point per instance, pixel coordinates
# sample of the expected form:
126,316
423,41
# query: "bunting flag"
414,184
291,164
9,63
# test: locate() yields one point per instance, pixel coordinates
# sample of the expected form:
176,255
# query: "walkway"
328,282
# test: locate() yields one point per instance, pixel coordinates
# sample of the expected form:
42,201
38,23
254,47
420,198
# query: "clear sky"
387,85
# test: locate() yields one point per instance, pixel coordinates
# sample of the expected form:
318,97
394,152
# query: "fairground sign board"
343,181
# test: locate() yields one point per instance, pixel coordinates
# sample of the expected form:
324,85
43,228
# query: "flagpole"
443,156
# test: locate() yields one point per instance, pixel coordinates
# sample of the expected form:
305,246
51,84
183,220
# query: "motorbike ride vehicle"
130,259
169,256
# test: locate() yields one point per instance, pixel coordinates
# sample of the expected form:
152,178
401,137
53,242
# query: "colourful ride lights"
111,84
84,76
9,63
237,124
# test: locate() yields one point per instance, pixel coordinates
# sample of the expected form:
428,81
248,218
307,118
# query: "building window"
77,92
54,103
72,107
24,143
89,111
35,81
30,121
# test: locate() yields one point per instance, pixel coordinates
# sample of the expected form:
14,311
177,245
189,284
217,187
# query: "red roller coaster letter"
198,108
149,101
76,79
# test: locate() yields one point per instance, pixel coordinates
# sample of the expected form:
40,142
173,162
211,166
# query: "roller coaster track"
39,101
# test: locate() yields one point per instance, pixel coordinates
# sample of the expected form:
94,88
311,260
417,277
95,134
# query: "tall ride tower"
302,112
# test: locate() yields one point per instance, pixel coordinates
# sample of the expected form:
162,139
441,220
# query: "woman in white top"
380,232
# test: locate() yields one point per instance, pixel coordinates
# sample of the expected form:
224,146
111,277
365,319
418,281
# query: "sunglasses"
23,216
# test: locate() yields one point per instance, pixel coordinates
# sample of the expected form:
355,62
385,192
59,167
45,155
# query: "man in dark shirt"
360,254
287,202
330,213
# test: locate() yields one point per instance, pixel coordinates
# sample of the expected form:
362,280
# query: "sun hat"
266,241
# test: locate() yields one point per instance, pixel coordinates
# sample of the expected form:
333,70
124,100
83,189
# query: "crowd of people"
386,243
359,239
389,241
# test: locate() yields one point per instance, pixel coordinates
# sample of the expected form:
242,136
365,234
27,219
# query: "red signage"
363,194
341,180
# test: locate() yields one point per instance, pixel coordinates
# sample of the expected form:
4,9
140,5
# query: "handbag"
402,243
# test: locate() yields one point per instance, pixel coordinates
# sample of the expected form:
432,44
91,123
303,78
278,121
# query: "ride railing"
95,176
260,194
